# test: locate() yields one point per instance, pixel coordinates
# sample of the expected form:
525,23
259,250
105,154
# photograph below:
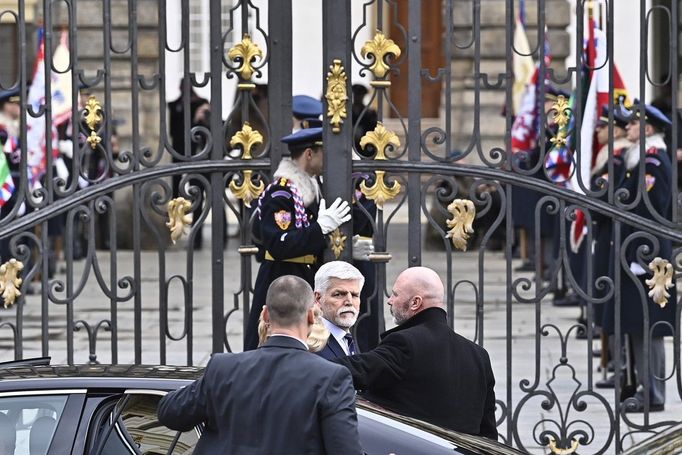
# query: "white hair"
336,269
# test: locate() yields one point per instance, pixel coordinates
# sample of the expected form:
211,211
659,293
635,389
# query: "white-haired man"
337,292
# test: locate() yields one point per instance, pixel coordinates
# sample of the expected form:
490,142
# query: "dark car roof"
95,376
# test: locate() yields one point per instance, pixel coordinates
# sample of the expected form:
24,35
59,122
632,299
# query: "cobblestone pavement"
509,333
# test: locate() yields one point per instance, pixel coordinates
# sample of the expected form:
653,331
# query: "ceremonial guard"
292,221
654,191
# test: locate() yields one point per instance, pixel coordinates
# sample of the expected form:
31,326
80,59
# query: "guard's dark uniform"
658,178
289,243
367,328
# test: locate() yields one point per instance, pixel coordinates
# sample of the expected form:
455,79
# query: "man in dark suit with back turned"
277,399
422,368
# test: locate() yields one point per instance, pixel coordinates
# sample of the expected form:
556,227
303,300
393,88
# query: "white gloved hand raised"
362,248
334,216
637,269
66,148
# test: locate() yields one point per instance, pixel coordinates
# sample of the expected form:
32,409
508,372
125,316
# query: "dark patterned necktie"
351,346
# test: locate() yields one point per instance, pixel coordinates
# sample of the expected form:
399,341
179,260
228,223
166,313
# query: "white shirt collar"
338,333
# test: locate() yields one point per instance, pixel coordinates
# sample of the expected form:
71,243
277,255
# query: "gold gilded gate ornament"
336,95
178,218
338,242
461,224
93,118
380,139
559,451
661,281
380,47
561,118
245,53
10,281
247,138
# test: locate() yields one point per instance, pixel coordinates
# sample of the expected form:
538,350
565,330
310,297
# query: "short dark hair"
288,300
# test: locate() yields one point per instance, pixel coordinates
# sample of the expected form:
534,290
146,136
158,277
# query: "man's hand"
362,248
334,216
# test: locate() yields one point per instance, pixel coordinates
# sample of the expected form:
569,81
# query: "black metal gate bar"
414,52
216,193
338,144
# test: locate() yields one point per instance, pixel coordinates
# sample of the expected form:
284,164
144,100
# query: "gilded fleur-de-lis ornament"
661,281
93,118
10,281
336,95
461,224
559,451
380,139
178,218
247,138
338,242
561,111
245,53
380,47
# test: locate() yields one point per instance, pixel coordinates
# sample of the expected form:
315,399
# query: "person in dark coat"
290,228
657,190
338,286
422,368
277,399
602,227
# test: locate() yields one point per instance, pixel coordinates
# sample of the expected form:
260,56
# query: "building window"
199,33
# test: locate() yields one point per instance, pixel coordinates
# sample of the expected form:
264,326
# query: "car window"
28,422
131,427
380,435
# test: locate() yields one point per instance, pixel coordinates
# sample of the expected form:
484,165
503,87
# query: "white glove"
334,216
66,148
362,248
637,269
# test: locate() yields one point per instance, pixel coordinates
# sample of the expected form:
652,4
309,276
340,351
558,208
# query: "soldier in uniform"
602,229
657,181
290,227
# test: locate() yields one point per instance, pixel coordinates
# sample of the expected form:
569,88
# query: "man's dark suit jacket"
278,399
332,350
423,369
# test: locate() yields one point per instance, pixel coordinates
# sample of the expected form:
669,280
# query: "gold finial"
561,111
245,53
247,191
93,113
661,281
94,140
559,451
380,192
380,138
248,138
336,95
338,242
461,224
10,281
380,47
178,218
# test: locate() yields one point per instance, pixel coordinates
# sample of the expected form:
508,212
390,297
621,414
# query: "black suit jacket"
332,350
277,399
423,369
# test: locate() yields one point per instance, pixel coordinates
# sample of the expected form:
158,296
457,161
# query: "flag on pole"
6,181
36,132
523,64
596,83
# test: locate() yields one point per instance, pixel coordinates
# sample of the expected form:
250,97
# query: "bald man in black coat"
422,368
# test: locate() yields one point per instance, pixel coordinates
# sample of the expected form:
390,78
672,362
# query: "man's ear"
266,314
308,152
416,303
318,297
311,316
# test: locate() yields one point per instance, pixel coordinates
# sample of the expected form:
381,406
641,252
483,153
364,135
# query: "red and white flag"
36,131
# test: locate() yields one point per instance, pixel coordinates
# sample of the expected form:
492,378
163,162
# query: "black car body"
111,410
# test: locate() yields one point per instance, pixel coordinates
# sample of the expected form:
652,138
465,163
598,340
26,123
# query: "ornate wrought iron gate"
436,168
